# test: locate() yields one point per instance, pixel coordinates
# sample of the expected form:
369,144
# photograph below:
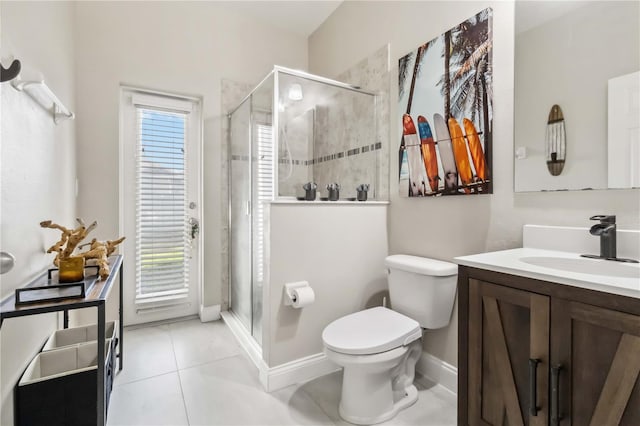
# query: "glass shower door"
262,194
241,224
261,184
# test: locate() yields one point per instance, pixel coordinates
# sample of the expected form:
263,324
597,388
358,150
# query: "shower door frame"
275,190
230,209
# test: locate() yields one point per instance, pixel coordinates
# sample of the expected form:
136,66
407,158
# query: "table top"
96,295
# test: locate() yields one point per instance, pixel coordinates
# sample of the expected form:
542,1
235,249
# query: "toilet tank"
423,289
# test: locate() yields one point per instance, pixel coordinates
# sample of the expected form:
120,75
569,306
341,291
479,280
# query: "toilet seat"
370,331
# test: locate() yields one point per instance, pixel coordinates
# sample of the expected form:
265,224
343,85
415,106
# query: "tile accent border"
335,156
324,158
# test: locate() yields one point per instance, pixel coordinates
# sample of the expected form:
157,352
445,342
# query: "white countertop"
509,261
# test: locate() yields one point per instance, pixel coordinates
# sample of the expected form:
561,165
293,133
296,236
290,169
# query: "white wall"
180,47
37,170
452,226
340,251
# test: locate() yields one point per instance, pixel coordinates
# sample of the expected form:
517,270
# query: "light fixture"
295,92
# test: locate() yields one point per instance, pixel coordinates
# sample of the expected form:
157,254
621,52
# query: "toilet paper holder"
289,296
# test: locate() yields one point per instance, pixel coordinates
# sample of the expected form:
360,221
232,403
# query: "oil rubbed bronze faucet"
606,230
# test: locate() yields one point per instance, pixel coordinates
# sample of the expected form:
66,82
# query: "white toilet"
379,347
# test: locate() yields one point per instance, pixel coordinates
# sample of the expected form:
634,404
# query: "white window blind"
162,239
265,191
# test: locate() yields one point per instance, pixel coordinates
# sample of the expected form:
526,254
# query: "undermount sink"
585,266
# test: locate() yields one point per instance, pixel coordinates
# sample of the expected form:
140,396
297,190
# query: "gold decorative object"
70,239
71,269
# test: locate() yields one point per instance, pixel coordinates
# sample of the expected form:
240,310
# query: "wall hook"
11,72
7,261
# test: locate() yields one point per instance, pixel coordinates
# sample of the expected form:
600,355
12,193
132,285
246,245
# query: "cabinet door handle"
533,386
555,395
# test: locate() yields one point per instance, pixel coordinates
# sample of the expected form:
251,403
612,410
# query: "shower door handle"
248,207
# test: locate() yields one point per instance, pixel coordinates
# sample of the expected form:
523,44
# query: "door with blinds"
160,204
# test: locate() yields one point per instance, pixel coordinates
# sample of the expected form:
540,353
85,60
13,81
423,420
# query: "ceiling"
530,14
300,17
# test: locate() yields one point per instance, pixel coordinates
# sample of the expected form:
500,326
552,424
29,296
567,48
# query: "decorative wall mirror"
583,56
555,141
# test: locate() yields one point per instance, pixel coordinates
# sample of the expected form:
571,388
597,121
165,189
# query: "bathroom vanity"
548,338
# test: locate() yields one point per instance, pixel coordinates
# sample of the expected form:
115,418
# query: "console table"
96,296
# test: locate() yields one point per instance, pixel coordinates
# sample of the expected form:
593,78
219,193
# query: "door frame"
165,311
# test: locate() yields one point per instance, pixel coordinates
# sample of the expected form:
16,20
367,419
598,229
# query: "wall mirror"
584,57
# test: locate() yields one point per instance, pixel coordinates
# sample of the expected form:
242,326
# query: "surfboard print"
417,174
446,153
403,184
428,147
475,148
460,153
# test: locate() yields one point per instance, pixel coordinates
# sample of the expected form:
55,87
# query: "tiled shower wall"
296,147
347,141
343,150
372,74
345,144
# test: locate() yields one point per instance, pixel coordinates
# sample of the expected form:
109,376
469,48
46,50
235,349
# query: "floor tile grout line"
168,331
161,323
175,359
315,400
178,367
144,378
318,405
200,364
184,402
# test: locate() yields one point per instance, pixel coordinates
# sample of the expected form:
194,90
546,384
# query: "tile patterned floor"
190,373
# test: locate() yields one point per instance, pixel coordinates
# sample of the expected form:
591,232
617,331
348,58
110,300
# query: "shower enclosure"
293,128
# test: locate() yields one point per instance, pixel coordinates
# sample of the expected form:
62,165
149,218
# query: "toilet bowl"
378,348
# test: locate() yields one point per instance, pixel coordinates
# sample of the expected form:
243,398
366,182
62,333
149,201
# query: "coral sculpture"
70,239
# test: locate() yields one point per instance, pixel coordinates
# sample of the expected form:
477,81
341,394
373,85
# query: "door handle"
195,227
248,207
555,395
533,386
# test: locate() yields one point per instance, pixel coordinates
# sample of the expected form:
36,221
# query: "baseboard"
297,371
310,367
438,371
280,376
209,313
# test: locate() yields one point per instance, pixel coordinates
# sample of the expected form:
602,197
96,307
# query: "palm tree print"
467,79
471,56
452,79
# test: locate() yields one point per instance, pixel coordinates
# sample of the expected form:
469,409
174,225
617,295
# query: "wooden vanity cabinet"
538,353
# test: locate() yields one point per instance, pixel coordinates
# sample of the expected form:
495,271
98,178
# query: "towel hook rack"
38,90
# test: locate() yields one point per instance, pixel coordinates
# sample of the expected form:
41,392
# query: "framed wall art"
446,107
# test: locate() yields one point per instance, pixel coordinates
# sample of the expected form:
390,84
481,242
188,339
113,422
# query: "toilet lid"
370,331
